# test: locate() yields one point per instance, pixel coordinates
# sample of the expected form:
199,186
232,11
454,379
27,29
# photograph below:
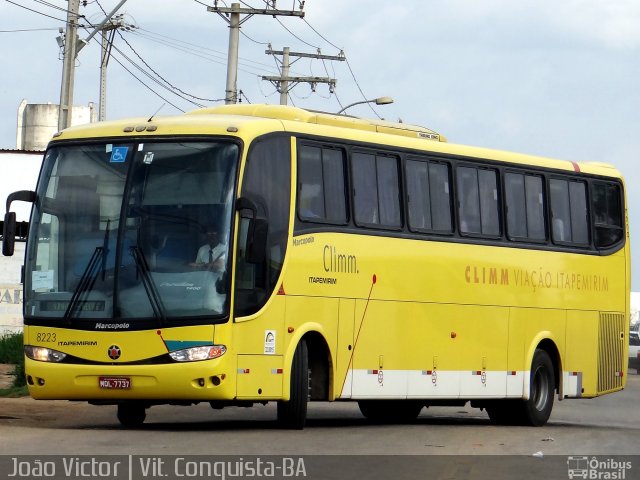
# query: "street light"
377,101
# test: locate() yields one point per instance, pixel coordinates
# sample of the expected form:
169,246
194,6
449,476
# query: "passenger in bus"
211,255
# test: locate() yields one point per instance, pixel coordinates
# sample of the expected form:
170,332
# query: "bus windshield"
132,230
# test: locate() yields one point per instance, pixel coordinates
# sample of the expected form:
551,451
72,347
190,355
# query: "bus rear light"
43,354
196,354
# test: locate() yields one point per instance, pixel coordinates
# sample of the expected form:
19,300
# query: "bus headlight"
195,354
43,354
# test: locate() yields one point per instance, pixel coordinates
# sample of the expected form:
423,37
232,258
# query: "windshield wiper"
149,285
90,274
87,281
105,249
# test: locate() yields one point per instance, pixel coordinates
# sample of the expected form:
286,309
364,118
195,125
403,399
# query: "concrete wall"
11,320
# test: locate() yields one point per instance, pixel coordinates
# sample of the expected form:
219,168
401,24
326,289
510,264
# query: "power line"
149,76
361,92
161,77
152,78
56,7
296,36
35,11
26,30
320,35
216,53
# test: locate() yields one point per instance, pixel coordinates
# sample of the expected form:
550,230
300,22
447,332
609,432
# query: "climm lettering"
488,275
336,262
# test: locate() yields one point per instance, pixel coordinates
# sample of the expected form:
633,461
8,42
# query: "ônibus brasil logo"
597,469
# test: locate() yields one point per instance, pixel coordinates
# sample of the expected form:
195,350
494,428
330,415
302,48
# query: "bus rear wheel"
131,414
390,411
293,414
537,409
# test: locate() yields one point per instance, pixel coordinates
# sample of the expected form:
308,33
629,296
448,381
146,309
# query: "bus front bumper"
194,381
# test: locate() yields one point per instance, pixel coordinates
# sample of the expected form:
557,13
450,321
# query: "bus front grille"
611,344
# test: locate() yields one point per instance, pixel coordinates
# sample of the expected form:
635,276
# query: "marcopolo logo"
597,468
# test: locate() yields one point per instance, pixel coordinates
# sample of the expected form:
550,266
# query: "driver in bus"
211,255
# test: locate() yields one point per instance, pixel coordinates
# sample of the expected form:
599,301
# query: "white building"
19,171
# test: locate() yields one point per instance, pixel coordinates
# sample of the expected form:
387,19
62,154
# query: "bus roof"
262,118
280,112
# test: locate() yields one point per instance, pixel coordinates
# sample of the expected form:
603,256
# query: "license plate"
114,383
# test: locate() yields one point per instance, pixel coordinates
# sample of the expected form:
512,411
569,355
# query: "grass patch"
12,352
14,392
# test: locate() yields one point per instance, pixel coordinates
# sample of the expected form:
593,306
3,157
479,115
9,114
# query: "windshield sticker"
148,158
270,342
42,280
119,154
108,148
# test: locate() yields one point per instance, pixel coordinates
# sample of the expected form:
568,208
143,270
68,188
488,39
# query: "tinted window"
478,201
376,190
535,207
468,200
579,225
428,196
388,191
525,208
568,211
267,180
607,213
321,192
365,189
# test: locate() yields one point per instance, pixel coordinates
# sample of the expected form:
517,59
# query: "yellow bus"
246,254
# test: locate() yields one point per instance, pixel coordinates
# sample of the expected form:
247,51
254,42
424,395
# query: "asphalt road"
605,426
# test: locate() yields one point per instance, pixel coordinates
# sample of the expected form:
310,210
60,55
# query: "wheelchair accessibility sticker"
119,154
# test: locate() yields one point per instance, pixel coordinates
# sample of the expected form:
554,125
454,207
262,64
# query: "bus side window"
428,197
607,214
569,211
321,190
376,190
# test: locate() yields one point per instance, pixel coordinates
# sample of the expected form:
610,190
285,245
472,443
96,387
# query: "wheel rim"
540,387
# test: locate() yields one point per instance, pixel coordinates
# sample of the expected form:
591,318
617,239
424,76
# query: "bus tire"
131,414
537,409
293,413
390,411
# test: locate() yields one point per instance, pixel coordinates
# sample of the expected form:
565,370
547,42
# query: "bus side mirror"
257,232
9,234
9,227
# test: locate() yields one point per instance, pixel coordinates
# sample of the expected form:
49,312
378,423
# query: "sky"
557,79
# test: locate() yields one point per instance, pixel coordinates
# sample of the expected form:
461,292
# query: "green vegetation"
14,392
11,351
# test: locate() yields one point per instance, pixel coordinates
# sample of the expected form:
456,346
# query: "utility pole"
232,16
108,33
282,83
72,47
68,65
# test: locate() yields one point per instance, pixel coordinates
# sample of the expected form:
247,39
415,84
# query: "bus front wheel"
131,414
293,413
